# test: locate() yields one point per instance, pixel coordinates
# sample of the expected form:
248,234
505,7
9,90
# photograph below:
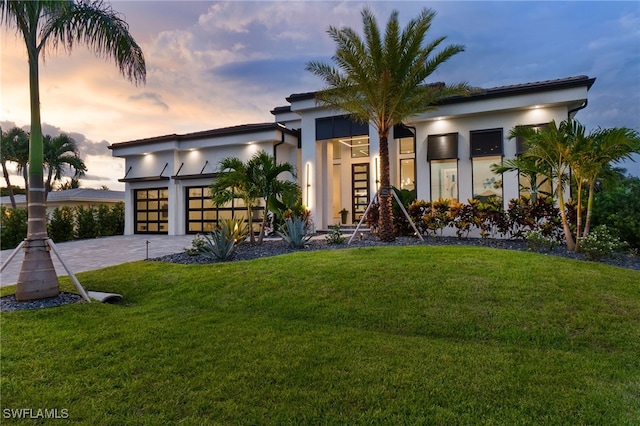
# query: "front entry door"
360,189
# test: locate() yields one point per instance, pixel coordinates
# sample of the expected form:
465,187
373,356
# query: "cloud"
150,98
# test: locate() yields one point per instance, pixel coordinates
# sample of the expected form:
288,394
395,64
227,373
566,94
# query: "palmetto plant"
379,79
61,152
258,178
50,25
14,147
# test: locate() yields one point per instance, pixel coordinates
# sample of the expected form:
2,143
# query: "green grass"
388,335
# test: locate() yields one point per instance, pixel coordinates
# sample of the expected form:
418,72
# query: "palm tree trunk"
571,246
587,223
37,278
579,215
252,238
386,232
5,173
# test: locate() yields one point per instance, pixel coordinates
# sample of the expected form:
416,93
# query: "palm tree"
595,159
552,147
534,172
48,25
264,174
59,152
14,146
234,181
380,81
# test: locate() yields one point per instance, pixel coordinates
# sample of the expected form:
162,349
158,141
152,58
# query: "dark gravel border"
9,303
246,251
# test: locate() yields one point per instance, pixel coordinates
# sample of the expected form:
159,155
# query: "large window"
407,159
486,150
152,211
203,215
442,155
543,184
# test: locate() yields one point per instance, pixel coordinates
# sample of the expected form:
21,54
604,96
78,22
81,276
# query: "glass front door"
360,189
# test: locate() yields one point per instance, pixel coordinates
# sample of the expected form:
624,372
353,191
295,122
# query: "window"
542,185
203,215
152,211
442,155
407,160
408,174
486,150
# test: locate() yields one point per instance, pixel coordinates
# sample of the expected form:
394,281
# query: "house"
443,153
85,197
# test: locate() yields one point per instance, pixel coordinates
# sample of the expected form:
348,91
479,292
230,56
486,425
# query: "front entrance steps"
346,230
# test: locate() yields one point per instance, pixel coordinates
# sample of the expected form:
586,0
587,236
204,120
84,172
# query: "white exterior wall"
506,120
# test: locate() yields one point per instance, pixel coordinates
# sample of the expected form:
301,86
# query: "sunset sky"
218,64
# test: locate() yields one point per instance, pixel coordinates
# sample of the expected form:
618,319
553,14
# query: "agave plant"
295,231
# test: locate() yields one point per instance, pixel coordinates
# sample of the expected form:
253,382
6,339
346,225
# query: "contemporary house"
446,153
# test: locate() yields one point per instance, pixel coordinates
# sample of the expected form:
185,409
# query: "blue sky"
216,64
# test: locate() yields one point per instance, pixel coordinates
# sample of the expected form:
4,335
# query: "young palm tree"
264,173
234,182
14,147
595,159
552,147
379,80
59,152
529,167
48,25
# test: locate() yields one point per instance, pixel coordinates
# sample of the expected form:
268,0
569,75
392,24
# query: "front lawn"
384,335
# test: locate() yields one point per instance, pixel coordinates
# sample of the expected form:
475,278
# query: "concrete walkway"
86,255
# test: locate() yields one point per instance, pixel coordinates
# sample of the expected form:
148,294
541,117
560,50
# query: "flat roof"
493,92
224,131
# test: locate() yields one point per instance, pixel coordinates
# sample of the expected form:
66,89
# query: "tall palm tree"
264,173
379,80
59,152
234,181
49,25
14,147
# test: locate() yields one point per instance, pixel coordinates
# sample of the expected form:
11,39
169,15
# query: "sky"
219,64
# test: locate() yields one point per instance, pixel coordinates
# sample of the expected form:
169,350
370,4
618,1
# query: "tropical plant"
617,206
379,80
13,227
59,152
335,235
601,243
62,224
235,181
539,242
531,168
552,147
295,231
217,245
49,25
594,158
264,173
14,147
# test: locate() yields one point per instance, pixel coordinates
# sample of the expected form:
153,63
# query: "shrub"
295,231
335,236
235,229
600,243
618,207
86,225
197,246
537,241
13,227
217,245
61,225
